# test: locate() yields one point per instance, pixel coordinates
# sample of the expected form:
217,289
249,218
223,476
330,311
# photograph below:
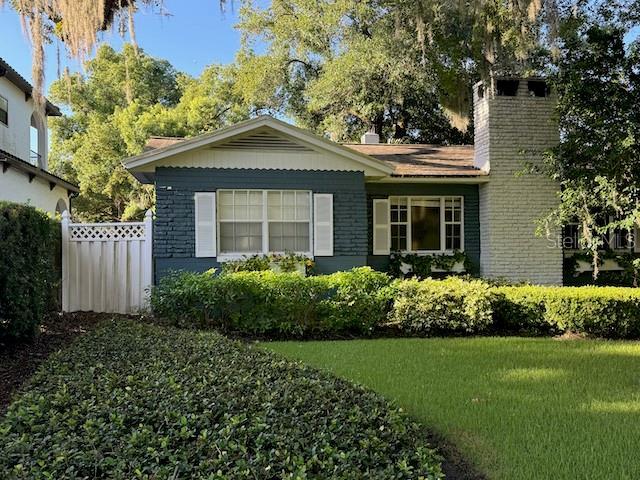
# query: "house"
24,177
266,186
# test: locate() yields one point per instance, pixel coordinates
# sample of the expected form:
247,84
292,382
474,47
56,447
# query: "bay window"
426,224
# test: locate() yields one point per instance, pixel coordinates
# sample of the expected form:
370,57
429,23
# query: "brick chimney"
514,125
370,138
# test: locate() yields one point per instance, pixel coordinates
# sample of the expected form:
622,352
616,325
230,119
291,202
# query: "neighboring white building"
24,177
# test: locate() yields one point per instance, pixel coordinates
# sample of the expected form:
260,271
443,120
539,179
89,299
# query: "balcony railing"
34,158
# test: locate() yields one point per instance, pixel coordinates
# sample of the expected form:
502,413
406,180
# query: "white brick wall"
510,133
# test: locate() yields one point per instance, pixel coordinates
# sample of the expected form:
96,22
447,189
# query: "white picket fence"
106,267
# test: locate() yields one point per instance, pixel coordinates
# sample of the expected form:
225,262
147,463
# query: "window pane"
274,205
289,237
4,111
398,209
240,237
454,238
453,210
302,237
398,238
425,225
226,237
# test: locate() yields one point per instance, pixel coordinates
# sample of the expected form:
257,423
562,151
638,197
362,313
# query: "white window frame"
229,256
7,102
443,237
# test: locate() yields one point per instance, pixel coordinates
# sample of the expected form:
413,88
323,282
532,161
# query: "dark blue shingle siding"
174,229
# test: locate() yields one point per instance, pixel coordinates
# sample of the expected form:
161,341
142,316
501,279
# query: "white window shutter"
205,222
323,224
381,230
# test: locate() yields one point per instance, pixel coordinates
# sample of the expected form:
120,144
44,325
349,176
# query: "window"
426,224
263,221
289,215
617,239
4,111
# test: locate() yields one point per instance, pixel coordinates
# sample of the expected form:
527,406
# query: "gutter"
472,179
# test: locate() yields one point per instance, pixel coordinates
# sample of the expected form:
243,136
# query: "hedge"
266,302
133,400
363,302
29,242
608,312
450,306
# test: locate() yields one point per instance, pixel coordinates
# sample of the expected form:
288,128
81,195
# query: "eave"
10,161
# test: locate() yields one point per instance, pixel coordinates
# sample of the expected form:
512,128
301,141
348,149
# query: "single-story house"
264,186
24,175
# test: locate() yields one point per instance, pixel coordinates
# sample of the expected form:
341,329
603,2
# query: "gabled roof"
19,81
257,126
414,160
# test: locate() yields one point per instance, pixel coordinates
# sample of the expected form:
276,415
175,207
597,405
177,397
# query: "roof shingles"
413,160
407,160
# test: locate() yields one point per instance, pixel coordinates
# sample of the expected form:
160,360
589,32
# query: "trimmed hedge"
454,305
139,401
362,301
29,242
608,312
266,302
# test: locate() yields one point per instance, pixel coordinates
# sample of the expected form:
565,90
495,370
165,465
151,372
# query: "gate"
106,267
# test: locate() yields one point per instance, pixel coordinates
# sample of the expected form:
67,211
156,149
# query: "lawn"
518,408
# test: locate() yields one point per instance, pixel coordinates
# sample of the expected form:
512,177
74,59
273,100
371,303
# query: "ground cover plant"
133,400
518,408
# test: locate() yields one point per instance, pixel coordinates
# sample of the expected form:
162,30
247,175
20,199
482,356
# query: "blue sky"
189,41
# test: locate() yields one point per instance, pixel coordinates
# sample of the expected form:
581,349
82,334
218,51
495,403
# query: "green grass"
518,408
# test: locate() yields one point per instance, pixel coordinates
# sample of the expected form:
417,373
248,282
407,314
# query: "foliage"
139,401
77,24
608,312
421,266
29,240
628,261
342,68
122,99
286,263
598,159
497,397
265,302
428,307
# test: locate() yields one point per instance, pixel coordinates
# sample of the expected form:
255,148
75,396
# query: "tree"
77,23
105,125
346,66
598,159
340,67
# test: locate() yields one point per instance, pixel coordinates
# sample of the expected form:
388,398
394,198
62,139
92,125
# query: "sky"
189,41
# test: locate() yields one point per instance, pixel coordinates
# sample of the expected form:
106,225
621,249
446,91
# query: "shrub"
429,306
29,241
140,401
521,309
359,301
610,312
266,302
286,263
